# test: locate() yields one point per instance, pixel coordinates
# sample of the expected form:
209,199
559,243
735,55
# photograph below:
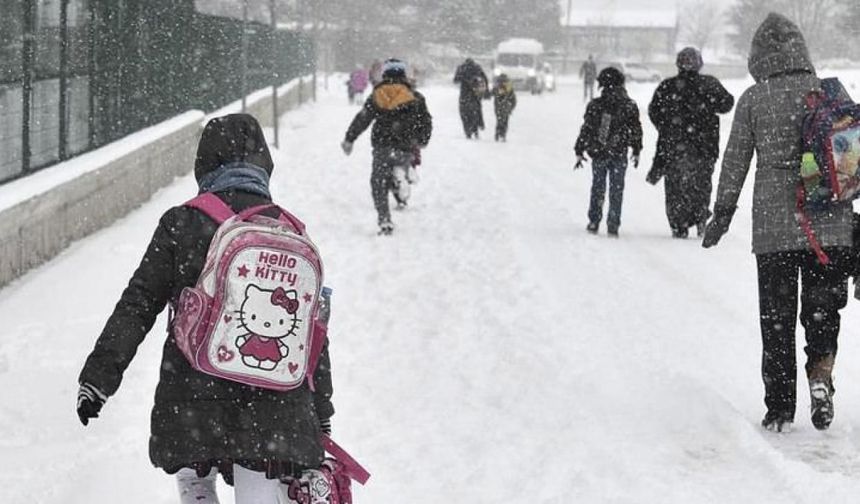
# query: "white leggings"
250,487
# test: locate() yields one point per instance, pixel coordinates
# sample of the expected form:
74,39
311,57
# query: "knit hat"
610,77
689,60
393,68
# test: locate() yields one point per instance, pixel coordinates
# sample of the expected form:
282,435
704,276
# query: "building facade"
620,35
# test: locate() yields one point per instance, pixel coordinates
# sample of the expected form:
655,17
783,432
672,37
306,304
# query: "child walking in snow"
203,425
611,127
401,123
504,101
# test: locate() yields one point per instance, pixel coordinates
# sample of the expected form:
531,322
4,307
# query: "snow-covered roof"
520,46
622,18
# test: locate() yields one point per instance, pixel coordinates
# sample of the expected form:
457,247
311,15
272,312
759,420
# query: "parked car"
637,72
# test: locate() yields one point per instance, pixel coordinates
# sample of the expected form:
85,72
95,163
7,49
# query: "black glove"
90,402
325,426
718,226
580,158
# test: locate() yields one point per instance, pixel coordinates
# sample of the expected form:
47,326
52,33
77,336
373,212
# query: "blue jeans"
615,169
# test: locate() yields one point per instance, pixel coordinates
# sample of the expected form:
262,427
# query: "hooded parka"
768,122
200,421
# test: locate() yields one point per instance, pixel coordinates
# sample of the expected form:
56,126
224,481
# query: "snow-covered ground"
490,352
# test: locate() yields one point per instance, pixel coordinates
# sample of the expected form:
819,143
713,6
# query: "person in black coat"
611,127
684,110
504,103
474,87
401,125
202,424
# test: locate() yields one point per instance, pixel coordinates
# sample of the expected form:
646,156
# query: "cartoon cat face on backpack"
269,313
269,316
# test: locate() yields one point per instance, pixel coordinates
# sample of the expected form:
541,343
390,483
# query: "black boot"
777,421
821,391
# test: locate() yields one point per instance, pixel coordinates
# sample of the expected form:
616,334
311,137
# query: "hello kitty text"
274,266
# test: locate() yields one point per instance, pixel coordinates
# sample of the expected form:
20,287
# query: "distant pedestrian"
611,127
358,81
401,125
588,73
504,103
768,123
684,110
474,87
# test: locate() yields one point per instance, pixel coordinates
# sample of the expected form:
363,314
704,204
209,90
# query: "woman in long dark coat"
685,111
474,87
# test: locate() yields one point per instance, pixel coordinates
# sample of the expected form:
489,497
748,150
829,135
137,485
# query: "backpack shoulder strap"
832,88
213,206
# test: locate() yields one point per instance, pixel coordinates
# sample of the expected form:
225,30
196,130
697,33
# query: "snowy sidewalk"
491,351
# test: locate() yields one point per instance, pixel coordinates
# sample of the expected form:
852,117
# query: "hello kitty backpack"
252,317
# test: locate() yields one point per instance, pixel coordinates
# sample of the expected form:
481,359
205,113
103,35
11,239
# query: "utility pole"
275,75
564,33
244,54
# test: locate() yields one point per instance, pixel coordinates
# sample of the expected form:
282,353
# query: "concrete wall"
113,181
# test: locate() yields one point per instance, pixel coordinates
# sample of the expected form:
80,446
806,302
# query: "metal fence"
77,74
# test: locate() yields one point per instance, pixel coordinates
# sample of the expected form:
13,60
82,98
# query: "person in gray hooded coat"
768,122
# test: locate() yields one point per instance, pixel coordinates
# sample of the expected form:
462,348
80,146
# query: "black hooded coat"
200,421
474,87
684,110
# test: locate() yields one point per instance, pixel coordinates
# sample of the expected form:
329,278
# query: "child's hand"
346,145
90,402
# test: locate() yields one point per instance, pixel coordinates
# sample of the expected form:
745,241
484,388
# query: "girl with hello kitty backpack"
245,384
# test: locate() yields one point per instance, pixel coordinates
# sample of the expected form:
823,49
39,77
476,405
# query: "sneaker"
612,232
777,422
592,227
386,228
821,394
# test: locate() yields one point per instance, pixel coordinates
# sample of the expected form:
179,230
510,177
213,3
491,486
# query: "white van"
521,60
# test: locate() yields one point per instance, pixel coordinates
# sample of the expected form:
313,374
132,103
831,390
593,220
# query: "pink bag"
331,483
252,317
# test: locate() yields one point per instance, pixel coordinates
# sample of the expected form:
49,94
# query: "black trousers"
823,292
502,124
382,178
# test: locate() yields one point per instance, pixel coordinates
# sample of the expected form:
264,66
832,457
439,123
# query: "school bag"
830,163
253,315
331,483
